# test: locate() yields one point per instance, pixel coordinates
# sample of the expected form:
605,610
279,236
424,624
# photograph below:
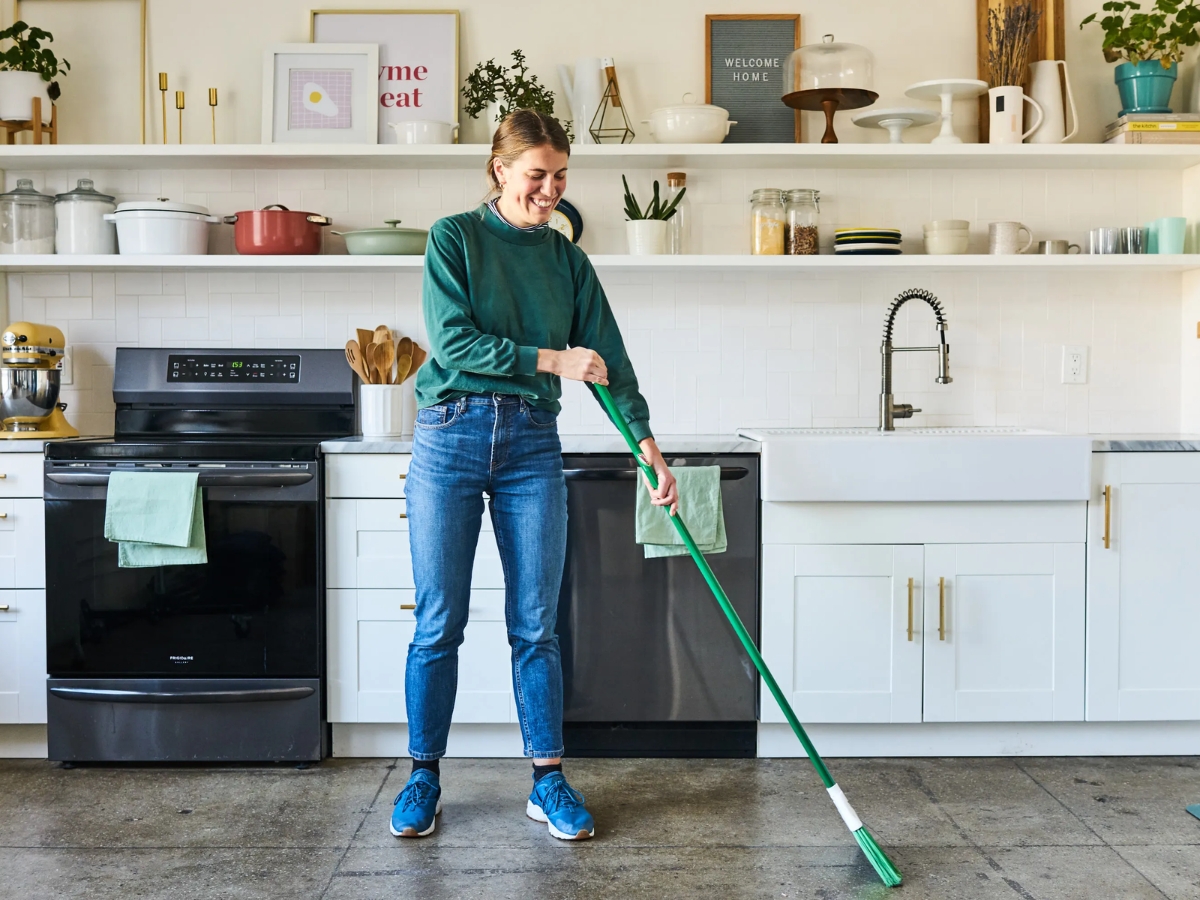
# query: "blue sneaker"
561,806
417,805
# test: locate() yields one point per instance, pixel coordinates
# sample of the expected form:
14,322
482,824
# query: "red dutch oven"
275,229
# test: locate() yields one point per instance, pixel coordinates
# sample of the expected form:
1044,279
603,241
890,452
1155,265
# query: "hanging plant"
28,55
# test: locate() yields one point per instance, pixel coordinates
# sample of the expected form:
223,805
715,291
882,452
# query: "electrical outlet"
67,370
1075,365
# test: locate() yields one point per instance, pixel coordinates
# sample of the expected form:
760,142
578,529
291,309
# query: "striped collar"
493,206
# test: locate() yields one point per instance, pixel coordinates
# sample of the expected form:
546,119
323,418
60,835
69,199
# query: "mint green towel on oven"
156,519
699,489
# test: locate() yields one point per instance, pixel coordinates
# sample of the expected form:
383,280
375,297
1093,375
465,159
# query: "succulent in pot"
646,229
28,70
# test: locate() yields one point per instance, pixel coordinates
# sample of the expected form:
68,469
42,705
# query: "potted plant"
498,90
1152,45
646,230
27,70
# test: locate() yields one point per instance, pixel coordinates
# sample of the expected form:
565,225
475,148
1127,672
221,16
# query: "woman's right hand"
577,364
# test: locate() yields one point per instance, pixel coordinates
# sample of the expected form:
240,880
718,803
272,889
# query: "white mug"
1004,237
423,131
1006,111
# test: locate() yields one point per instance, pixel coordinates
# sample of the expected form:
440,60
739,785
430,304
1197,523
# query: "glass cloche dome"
827,77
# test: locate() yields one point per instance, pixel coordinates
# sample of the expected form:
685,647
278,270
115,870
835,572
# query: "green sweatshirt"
494,294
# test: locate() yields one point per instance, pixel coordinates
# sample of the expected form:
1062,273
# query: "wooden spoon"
418,359
364,337
382,334
369,361
385,358
403,359
354,357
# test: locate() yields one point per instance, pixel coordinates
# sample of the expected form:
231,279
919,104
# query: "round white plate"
958,88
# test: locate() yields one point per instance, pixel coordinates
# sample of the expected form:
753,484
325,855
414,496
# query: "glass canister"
768,222
79,225
26,220
803,212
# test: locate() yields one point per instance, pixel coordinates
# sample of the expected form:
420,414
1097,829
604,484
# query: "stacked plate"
866,241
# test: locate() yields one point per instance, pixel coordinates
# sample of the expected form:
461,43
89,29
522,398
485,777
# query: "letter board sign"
745,58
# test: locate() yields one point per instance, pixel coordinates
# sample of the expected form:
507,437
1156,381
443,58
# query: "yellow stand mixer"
30,379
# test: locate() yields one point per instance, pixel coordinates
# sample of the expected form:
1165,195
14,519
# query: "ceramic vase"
1006,114
17,90
1046,87
584,93
381,410
647,237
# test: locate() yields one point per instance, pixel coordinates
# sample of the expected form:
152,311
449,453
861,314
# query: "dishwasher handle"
207,478
112,695
728,473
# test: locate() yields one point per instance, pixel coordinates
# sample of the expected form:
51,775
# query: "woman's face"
534,183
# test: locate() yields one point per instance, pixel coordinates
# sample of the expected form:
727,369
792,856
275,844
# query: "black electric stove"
216,662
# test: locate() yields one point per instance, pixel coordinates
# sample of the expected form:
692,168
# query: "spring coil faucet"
889,411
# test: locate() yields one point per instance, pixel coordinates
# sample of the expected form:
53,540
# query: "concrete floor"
966,828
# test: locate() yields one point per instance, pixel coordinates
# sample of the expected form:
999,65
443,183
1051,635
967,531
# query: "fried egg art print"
319,98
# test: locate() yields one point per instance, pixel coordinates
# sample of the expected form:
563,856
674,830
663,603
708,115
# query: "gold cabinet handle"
910,609
404,515
408,606
403,475
941,609
4,608
3,515
3,475
1107,516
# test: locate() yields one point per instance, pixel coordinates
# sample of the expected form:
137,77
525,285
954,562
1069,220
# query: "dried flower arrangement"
1009,35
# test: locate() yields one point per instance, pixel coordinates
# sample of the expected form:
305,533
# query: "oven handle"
728,473
207,479
108,695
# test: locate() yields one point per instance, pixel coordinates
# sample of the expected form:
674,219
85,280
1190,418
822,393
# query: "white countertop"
22,445
572,443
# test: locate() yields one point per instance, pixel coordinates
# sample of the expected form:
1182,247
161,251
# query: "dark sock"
430,764
540,772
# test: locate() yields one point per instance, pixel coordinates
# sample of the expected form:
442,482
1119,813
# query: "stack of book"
1154,128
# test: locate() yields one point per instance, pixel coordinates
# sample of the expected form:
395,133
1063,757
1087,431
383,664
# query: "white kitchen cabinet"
22,543
22,657
1143,608
836,632
1004,632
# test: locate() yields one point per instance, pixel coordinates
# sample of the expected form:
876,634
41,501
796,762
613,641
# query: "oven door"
254,610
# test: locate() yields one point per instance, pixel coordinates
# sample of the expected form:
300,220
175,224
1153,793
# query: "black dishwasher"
651,667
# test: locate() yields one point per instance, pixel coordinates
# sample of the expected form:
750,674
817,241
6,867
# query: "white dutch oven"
689,123
160,226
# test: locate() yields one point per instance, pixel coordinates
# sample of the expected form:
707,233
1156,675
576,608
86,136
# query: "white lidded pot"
79,225
161,226
423,131
689,123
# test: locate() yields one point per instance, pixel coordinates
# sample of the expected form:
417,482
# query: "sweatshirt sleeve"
455,340
595,327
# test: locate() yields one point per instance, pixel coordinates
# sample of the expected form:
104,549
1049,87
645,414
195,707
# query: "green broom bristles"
887,872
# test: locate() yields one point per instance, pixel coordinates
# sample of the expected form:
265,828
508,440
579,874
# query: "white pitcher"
1005,105
1046,88
583,93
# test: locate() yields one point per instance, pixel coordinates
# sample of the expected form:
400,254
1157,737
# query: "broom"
878,859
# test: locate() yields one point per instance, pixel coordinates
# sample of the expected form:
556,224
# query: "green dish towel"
156,519
699,490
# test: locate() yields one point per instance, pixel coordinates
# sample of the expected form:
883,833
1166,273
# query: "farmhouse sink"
921,464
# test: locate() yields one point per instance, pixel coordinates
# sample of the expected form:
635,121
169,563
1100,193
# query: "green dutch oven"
391,241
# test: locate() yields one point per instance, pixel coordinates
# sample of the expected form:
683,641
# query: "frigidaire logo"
182,660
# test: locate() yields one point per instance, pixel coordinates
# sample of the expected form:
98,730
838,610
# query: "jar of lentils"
768,222
802,212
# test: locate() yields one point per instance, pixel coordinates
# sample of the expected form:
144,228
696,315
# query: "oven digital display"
278,369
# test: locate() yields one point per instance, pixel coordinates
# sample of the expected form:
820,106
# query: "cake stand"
947,90
830,100
895,121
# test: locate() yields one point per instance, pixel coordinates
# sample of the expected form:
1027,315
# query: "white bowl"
946,243
689,123
947,225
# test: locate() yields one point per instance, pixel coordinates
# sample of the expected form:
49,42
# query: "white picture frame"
417,46
320,94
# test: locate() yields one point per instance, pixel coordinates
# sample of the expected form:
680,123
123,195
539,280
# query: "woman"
511,307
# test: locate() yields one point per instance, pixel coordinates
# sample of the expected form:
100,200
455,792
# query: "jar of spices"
768,222
803,211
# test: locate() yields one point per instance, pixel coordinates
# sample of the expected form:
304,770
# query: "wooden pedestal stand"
12,126
829,101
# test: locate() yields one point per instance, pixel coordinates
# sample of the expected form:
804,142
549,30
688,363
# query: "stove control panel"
241,368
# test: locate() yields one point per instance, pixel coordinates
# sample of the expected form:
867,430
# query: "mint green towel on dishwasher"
156,518
699,490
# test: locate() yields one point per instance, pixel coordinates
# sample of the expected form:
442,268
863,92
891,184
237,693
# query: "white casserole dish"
689,123
160,226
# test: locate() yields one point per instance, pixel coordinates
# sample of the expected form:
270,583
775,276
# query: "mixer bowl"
28,393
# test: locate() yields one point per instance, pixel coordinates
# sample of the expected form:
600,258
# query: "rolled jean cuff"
425,757
543,754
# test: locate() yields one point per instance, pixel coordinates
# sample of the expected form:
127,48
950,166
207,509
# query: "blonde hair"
521,130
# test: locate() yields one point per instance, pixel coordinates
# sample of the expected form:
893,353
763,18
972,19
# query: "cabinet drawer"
365,474
400,605
22,544
21,474
22,657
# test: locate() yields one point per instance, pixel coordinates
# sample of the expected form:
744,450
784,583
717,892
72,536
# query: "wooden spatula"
354,357
365,336
403,359
385,358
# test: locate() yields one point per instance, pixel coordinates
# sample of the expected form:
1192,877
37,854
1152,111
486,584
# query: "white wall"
658,47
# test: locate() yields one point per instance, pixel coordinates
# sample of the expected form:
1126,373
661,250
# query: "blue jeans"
499,445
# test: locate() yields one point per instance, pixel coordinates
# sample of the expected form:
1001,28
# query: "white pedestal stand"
947,90
895,121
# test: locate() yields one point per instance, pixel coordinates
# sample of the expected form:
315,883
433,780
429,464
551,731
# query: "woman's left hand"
665,494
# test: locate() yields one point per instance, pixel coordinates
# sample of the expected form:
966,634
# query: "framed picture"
744,57
320,94
418,59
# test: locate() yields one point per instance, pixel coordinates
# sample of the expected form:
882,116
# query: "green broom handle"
718,592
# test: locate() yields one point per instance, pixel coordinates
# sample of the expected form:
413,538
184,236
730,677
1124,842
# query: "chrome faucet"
889,411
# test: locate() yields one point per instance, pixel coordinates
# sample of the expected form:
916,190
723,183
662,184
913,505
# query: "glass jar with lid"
79,225
768,222
802,210
829,76
26,220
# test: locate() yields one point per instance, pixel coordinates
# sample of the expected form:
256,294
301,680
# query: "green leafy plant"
1135,36
28,55
512,87
656,208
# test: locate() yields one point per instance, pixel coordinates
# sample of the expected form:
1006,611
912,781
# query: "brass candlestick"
179,106
162,87
212,103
